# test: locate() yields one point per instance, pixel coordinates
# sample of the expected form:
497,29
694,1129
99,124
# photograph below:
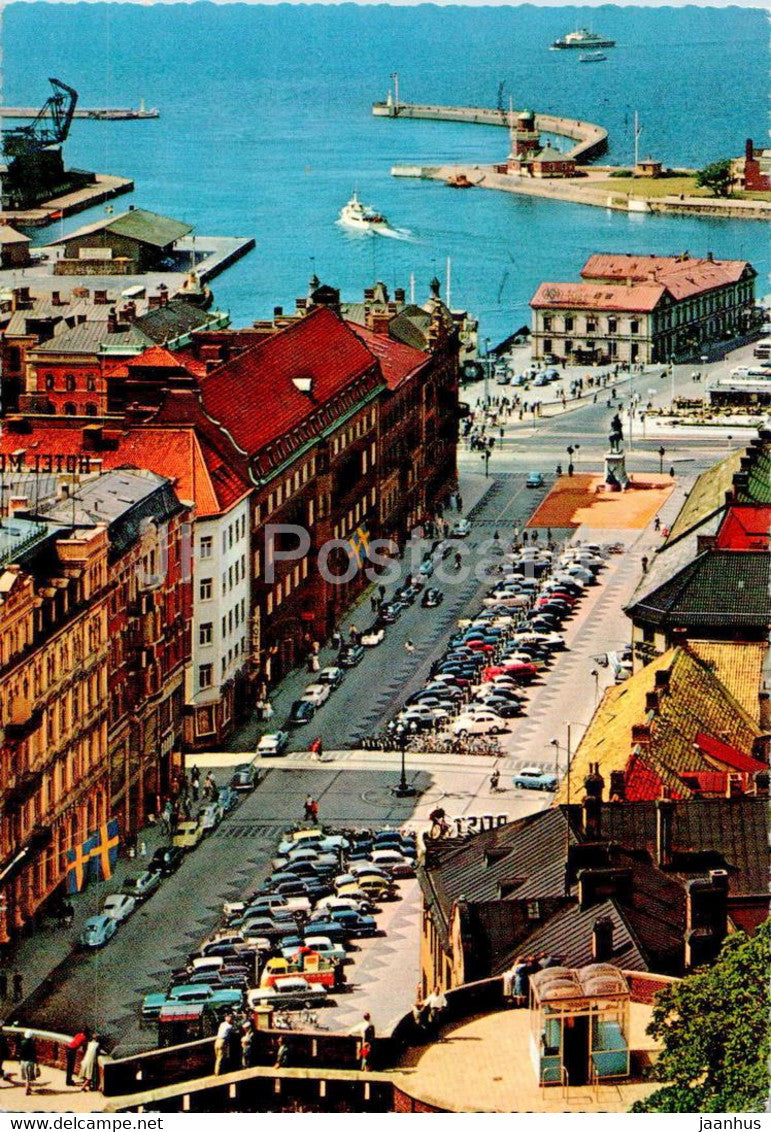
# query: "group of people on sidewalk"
29,1064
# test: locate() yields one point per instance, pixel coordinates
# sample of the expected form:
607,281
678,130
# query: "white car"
316,694
119,907
475,709
507,598
478,723
373,636
273,744
209,817
421,712
461,528
395,863
340,904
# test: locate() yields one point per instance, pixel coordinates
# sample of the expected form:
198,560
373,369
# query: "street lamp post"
662,454
596,676
403,790
672,375
486,458
487,372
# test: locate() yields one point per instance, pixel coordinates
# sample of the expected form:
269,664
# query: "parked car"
321,944
142,886
220,1000
288,992
481,723
426,567
209,816
390,611
119,906
228,798
373,636
431,598
245,779
394,862
301,712
535,479
276,742
332,676
350,655
317,694
461,528
98,930
533,778
187,835
165,860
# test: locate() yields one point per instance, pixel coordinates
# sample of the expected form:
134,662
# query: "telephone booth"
579,1025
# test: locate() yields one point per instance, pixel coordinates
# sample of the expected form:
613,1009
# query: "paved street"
354,788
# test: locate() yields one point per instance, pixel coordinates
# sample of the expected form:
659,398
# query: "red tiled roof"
703,782
397,361
727,754
745,528
682,276
158,357
253,396
642,784
640,297
198,471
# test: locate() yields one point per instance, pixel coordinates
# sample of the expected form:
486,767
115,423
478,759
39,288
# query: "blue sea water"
266,128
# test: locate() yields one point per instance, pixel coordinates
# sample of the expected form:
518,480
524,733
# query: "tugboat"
459,181
592,57
361,217
581,39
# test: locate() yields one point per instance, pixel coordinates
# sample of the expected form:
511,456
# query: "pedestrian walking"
495,779
89,1067
460,502
267,711
657,524
5,1054
222,1044
195,782
282,1054
409,647
644,563
209,787
28,1061
18,986
337,640
353,633
77,1042
374,603
436,1004
308,808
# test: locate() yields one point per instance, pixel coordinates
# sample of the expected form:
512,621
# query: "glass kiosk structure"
579,1025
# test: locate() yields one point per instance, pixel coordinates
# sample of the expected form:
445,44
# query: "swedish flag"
104,852
358,544
77,865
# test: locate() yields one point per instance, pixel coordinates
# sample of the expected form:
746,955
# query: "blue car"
97,931
533,778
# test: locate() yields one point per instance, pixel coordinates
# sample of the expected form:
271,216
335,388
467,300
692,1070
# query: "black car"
431,598
246,778
302,712
405,595
350,655
390,611
166,860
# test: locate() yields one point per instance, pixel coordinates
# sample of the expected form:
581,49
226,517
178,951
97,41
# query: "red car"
480,646
516,668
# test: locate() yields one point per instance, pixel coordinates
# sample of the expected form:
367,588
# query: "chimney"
617,791
652,701
662,679
760,784
641,735
733,784
764,711
705,543
749,150
278,312
602,940
598,885
112,321
301,305
92,437
56,298
17,505
100,297
80,318
665,819
399,295
706,917
377,321
678,637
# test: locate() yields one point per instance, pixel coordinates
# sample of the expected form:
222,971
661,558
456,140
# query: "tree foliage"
713,1026
716,177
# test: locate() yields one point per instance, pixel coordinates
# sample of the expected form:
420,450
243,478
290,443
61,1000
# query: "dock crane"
60,108
35,171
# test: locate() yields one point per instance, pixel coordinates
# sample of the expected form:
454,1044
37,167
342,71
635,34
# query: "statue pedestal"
616,478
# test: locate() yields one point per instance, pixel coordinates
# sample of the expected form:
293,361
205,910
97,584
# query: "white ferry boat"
361,217
583,40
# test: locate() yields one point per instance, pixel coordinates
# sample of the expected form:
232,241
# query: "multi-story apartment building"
54,650
149,626
639,309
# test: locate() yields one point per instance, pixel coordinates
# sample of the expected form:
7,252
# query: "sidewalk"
50,1094
38,955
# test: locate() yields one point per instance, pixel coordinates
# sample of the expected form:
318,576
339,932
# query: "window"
568,324
91,384
547,345
204,589
204,633
90,409
591,325
206,544
568,347
69,409
49,380
612,325
547,322
204,675
69,383
634,326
